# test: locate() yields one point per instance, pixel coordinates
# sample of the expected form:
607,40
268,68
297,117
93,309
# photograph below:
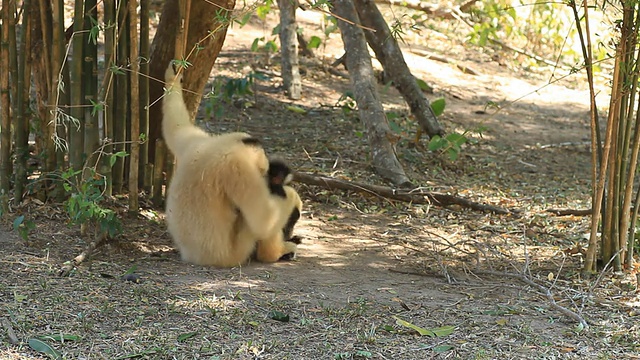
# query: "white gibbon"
219,208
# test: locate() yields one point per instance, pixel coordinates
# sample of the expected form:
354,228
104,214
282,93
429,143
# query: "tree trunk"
208,22
363,83
390,56
5,140
289,48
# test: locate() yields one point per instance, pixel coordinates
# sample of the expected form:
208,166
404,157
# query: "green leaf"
392,115
43,347
19,298
59,337
456,139
279,316
438,106
17,222
453,153
255,43
131,270
114,157
186,336
363,354
244,19
388,328
443,330
394,127
442,348
296,109
314,42
437,143
421,331
276,30
263,11
423,85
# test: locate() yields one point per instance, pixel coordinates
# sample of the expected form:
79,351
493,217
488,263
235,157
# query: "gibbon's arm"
248,191
177,129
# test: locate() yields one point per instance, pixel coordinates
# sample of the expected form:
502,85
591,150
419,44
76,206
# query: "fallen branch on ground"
68,266
566,212
416,196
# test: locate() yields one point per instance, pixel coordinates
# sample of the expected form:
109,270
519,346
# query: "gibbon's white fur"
219,208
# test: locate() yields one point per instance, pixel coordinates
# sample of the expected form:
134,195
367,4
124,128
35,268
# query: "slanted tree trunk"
207,29
363,83
390,56
289,48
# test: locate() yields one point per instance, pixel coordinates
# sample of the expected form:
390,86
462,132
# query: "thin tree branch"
416,196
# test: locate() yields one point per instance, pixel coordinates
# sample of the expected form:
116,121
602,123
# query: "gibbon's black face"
278,175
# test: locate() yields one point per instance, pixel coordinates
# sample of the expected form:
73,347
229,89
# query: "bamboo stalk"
158,179
76,131
22,120
108,90
5,100
90,86
144,94
134,157
120,119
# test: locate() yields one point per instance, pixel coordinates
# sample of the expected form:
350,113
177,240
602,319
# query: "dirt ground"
366,263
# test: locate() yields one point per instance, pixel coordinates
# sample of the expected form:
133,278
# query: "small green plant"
23,227
85,190
225,91
450,144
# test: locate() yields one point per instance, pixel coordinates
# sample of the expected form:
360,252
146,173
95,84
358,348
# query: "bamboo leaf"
314,42
438,106
420,330
186,336
43,347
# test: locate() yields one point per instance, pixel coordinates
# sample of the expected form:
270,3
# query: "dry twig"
11,334
545,291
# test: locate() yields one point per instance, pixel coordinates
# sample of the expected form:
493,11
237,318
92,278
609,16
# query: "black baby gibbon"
278,176
219,208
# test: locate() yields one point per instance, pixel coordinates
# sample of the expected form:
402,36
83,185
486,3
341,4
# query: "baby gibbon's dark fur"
219,209
278,175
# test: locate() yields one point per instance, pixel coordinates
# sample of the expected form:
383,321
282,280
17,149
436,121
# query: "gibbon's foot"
288,257
295,239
